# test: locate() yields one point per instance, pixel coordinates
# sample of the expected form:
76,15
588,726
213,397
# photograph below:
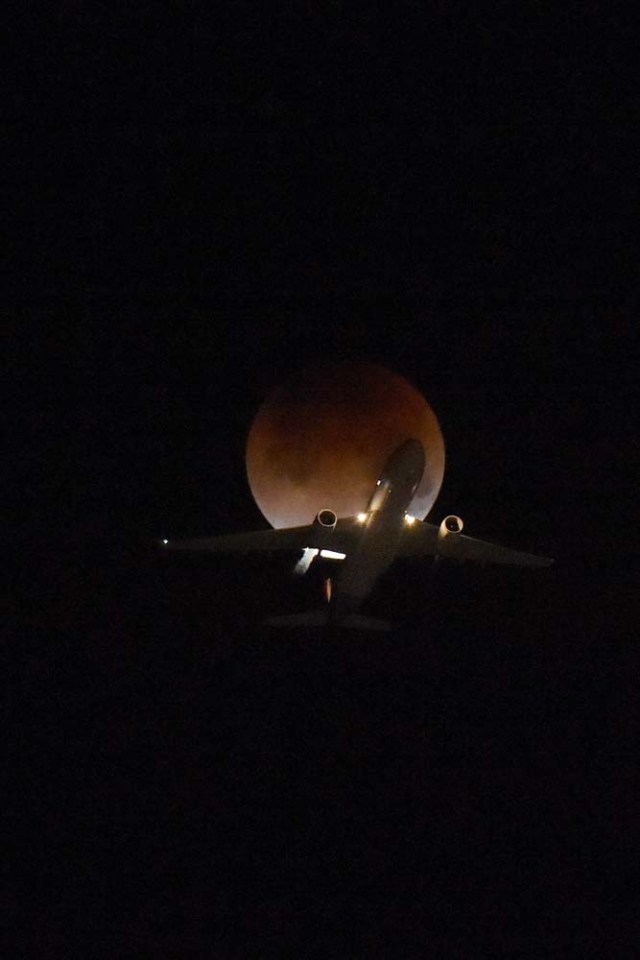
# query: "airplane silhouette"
366,544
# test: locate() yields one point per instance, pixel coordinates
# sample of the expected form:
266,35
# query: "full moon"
322,439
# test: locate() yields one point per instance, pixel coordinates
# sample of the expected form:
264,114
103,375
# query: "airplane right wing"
424,539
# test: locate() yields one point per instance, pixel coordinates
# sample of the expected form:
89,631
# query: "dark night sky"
200,204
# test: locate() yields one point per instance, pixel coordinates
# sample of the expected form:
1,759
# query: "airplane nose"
409,459
413,451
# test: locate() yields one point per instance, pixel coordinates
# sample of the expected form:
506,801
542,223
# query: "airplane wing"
341,538
423,539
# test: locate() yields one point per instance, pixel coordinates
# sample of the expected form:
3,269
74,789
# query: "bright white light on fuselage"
305,561
409,520
165,542
332,555
361,517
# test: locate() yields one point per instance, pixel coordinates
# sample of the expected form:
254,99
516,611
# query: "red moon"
322,439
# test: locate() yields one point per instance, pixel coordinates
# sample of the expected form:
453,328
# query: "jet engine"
326,519
450,526
449,530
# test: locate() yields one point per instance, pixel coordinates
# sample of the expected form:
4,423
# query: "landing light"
409,520
361,517
165,542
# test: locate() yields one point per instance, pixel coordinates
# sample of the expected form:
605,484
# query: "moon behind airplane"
322,439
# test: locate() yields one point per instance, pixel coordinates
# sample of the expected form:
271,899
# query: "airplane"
366,544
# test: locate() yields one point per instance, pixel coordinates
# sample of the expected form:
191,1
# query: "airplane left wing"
423,539
315,536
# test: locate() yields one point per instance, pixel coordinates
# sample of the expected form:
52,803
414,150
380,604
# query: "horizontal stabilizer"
357,622
315,618
319,618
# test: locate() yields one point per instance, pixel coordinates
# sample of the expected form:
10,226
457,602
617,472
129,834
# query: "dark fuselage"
382,528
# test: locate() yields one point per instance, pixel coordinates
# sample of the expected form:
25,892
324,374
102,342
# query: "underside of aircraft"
367,544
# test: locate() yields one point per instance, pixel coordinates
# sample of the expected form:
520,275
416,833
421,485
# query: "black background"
201,203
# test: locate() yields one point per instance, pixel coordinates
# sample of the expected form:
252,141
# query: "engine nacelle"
450,526
326,519
449,530
321,538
